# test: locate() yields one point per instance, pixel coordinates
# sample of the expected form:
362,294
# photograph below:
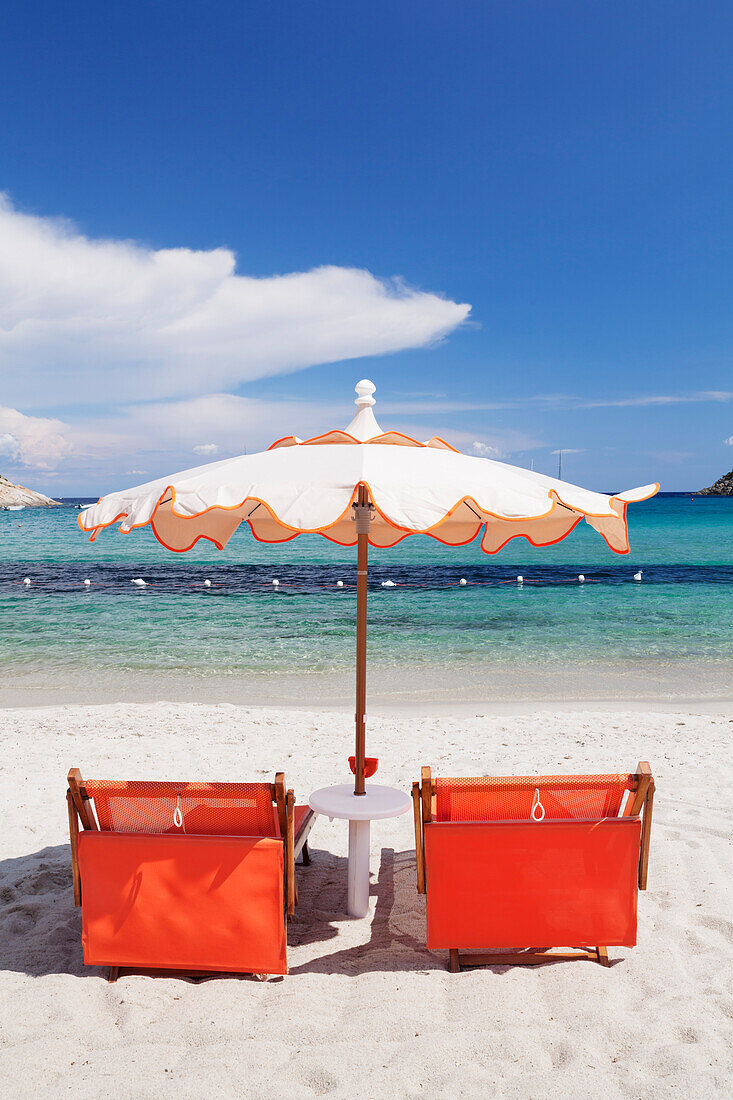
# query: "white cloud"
156,438
238,423
569,451
703,396
84,320
673,458
33,441
145,441
728,442
443,408
484,450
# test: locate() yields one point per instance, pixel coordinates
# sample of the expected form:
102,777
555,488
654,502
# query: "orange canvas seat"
515,865
185,876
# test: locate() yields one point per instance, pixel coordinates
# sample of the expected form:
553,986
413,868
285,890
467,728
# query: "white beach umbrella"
366,487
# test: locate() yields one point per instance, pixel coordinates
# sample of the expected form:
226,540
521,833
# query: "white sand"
367,1011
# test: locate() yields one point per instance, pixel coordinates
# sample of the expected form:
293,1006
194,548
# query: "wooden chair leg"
529,957
113,975
74,841
305,854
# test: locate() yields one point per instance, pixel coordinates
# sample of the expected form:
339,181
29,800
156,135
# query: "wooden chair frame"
640,800
81,811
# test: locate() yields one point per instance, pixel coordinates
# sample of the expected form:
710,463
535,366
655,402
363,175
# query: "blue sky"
311,194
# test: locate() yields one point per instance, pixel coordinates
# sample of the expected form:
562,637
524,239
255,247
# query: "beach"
367,1010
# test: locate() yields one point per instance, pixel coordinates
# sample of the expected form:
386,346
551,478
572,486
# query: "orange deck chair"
185,877
516,866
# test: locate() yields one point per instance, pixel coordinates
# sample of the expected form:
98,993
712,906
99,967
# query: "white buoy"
581,578
637,576
26,581
87,583
520,580
275,582
339,584
139,582
388,584
463,582
207,584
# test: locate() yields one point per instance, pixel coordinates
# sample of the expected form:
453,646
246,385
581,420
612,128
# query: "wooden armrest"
303,831
419,849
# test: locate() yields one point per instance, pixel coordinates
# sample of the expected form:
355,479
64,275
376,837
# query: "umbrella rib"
478,517
567,509
169,499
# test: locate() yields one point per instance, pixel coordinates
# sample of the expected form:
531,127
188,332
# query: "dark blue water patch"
304,578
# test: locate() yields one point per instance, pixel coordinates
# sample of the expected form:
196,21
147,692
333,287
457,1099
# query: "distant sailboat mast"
559,465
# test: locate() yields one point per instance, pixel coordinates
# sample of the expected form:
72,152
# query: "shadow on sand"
40,930
396,935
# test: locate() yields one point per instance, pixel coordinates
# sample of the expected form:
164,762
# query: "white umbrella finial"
364,426
364,391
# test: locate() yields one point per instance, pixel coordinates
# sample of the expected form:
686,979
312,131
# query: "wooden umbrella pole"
362,509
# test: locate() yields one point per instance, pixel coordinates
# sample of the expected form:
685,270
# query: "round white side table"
359,810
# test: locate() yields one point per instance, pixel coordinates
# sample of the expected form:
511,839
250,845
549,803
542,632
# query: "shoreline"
433,688
467,708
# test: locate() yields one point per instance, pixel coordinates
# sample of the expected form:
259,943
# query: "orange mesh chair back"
207,809
512,862
184,876
511,798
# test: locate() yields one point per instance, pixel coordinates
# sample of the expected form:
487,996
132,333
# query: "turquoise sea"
429,637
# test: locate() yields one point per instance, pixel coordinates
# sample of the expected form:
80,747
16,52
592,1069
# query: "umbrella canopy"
390,484
304,486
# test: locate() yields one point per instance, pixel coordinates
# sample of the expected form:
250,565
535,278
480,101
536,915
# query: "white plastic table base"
359,810
357,890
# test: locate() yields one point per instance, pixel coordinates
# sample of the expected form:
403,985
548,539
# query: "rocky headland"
14,495
723,487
